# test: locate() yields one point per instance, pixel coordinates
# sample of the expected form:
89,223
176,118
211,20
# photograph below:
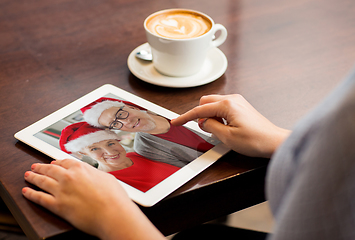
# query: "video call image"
136,145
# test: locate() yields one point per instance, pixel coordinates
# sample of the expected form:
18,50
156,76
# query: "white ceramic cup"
183,57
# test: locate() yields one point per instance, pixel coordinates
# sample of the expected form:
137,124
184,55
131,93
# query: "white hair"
92,115
80,143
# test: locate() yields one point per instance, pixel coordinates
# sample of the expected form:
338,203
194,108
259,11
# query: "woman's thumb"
215,126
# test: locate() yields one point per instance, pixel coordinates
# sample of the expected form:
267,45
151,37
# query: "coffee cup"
180,40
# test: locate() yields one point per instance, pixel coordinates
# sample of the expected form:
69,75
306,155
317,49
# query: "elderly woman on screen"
104,147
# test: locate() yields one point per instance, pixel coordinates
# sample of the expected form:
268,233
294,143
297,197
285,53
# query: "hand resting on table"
88,198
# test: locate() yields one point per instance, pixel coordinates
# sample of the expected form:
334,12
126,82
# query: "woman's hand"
246,131
91,200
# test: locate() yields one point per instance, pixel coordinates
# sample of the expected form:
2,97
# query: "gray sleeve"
161,150
311,180
210,139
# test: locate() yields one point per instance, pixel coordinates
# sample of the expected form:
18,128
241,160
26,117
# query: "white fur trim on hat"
79,143
92,115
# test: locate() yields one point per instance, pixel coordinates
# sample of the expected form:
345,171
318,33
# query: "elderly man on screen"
155,137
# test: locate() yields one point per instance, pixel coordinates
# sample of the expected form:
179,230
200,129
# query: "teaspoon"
144,55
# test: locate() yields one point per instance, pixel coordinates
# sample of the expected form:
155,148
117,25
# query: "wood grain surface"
283,57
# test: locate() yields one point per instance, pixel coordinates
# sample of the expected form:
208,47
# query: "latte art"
178,25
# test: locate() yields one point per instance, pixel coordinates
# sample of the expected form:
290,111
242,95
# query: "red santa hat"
93,111
79,135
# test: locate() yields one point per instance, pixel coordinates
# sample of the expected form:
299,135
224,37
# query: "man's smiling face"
137,120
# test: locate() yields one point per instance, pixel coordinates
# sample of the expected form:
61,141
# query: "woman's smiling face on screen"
108,151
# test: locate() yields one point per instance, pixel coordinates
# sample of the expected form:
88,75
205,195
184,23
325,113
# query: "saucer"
214,67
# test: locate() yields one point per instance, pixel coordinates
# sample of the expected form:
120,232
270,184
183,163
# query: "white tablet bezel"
156,193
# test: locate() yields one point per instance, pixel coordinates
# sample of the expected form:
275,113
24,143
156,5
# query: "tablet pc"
128,137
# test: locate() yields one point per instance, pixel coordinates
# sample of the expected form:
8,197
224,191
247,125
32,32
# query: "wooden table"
284,57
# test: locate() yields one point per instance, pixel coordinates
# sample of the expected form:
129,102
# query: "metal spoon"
145,55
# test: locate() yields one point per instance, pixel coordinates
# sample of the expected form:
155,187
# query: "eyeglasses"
120,114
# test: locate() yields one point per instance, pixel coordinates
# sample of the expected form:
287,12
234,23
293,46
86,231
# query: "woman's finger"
44,182
212,98
218,129
210,110
65,163
44,199
50,170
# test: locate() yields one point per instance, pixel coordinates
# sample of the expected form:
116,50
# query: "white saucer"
214,67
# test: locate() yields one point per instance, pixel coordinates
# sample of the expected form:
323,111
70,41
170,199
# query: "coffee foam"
178,25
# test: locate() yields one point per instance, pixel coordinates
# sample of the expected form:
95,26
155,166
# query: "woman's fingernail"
24,190
201,122
33,166
27,174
